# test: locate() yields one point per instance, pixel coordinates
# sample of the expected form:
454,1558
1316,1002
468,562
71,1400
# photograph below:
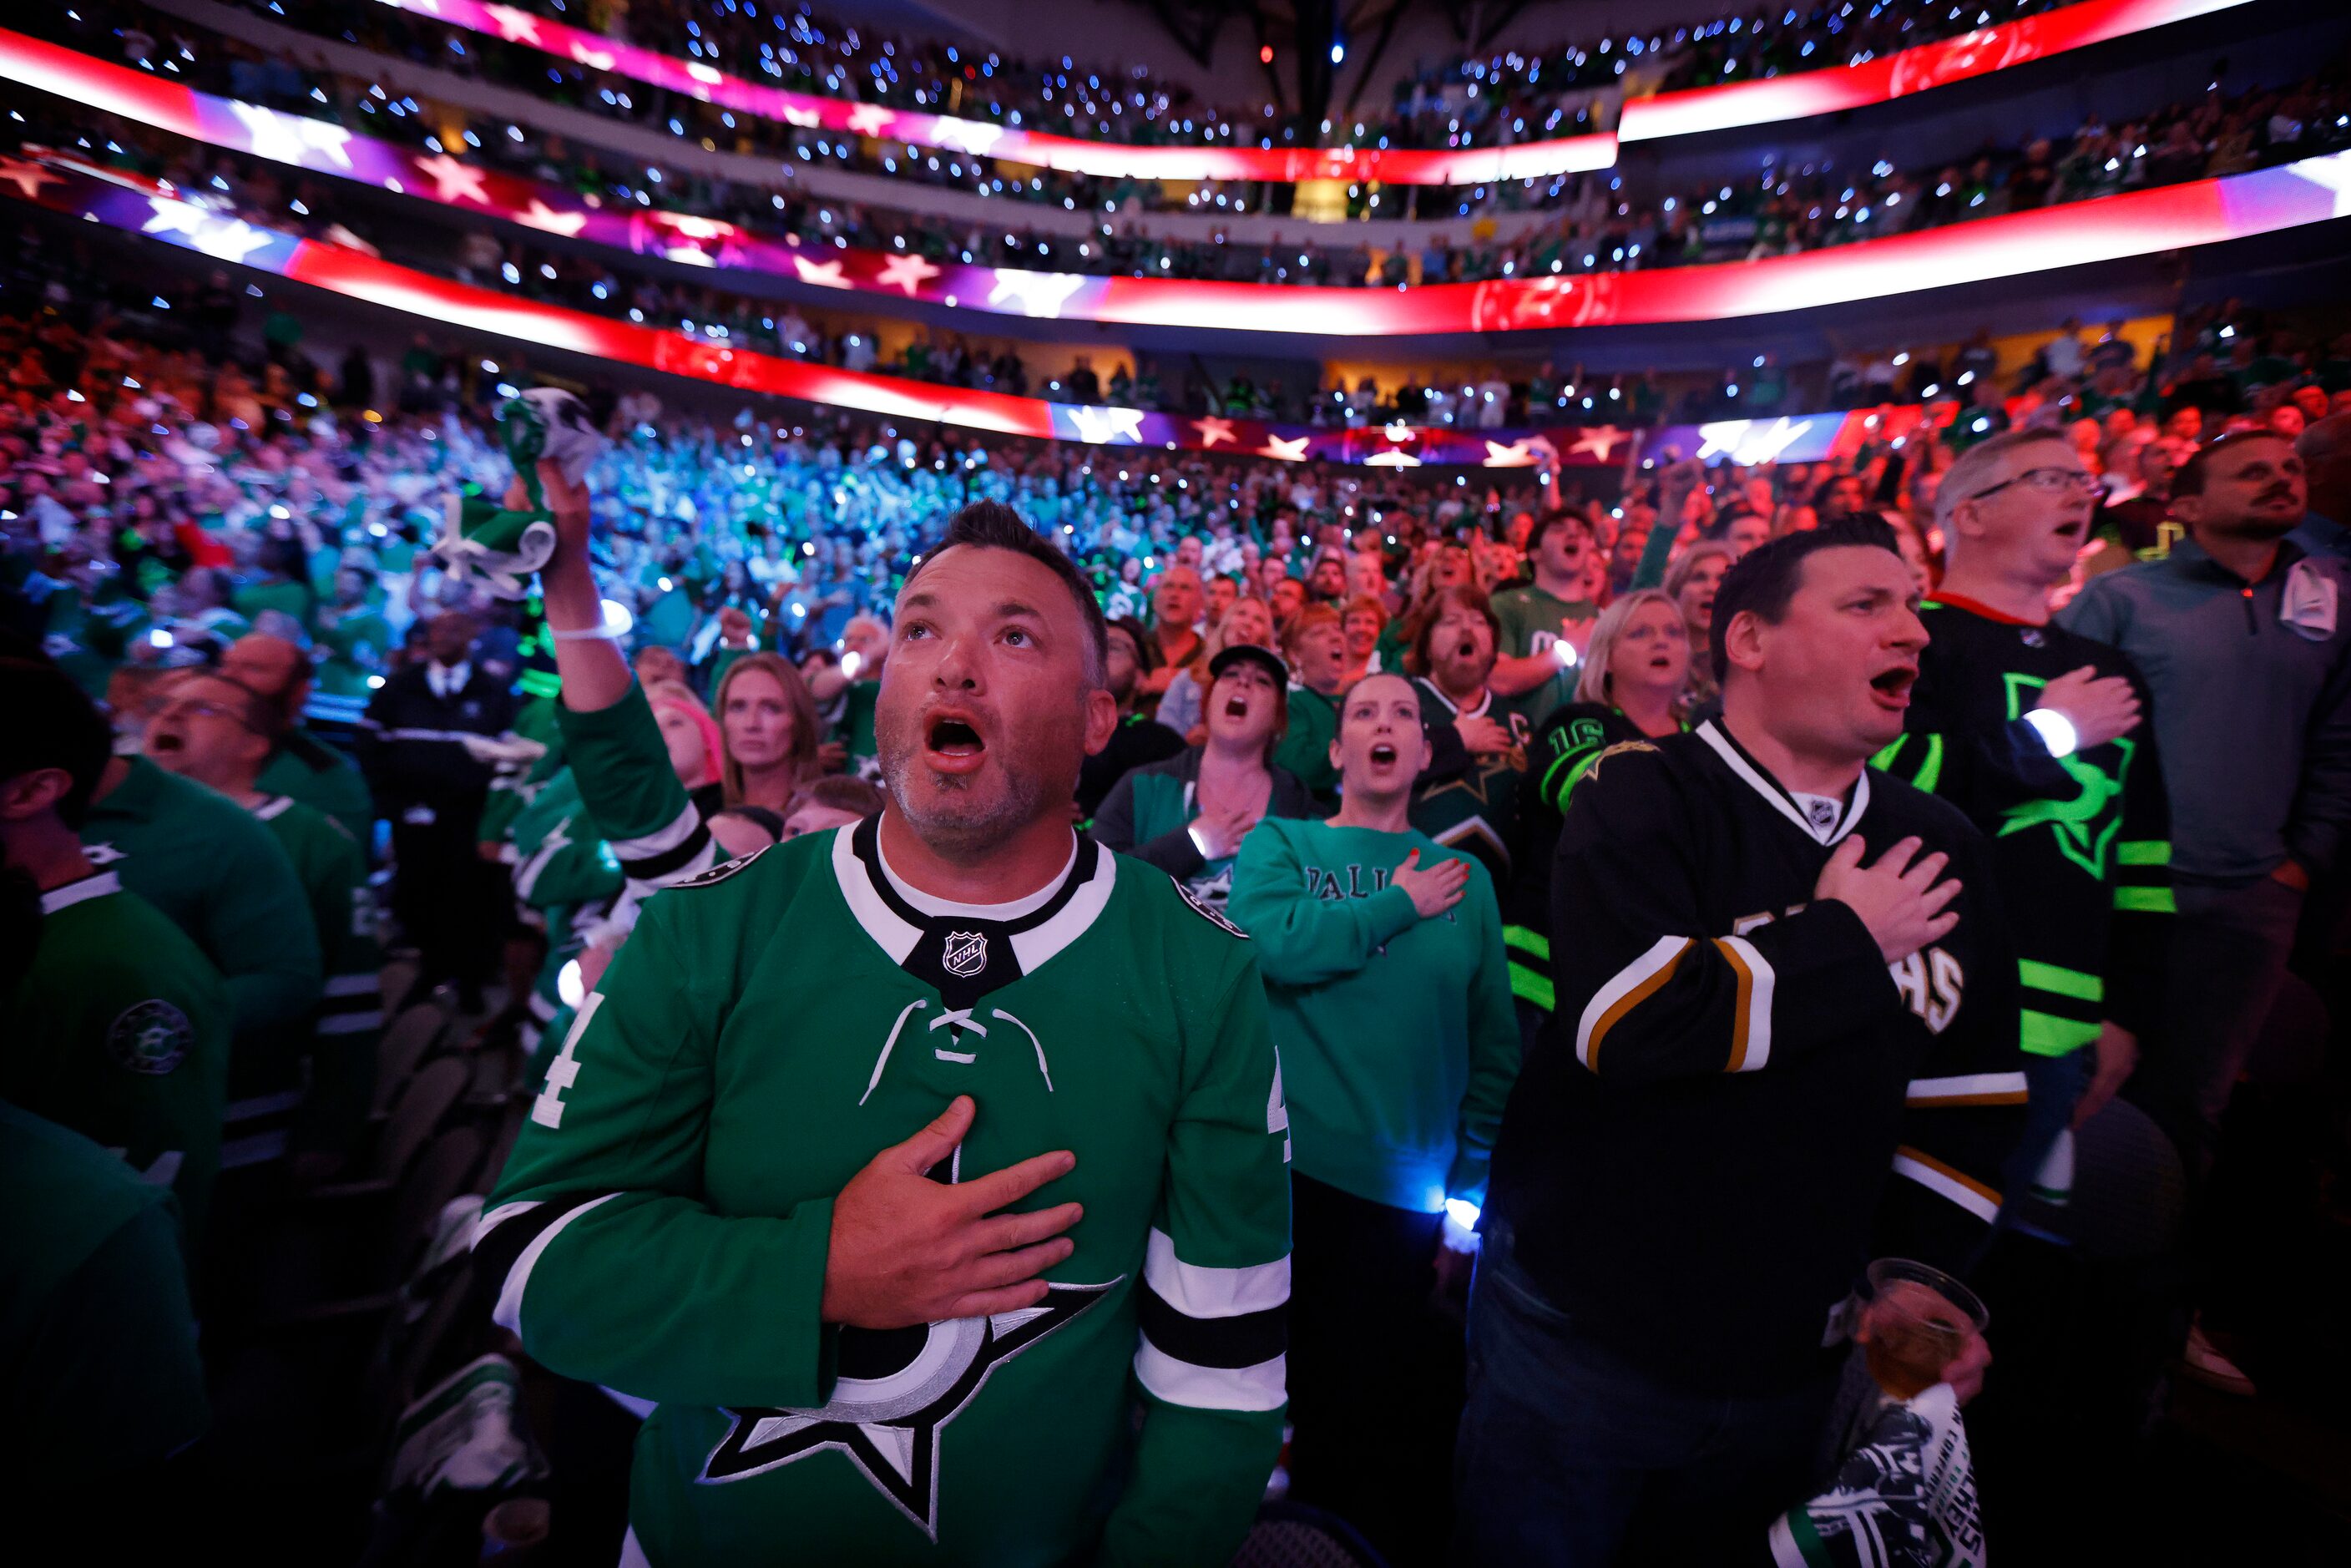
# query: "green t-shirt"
1305,746
119,1030
219,876
95,1325
856,729
1530,617
769,1027
1398,1041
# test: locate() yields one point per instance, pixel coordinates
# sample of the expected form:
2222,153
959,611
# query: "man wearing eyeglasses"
214,730
2245,641
2035,732
1538,616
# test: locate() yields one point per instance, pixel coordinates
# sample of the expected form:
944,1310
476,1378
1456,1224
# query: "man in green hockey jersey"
783,1179
211,730
112,1024
300,764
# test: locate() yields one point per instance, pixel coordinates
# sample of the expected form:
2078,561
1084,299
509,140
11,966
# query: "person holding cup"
1784,1042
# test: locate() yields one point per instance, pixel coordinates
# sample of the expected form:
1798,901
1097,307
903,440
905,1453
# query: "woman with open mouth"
1189,815
1381,956
1634,687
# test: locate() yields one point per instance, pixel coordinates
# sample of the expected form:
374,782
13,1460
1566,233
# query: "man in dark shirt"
1138,739
433,788
2137,524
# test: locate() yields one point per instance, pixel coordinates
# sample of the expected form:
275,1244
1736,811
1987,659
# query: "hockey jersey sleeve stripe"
1534,987
1967,1089
1264,1386
2058,980
1937,1177
1247,1339
1535,944
1627,990
2143,851
2146,901
1197,1292
525,1236
1751,1022
677,831
2046,1034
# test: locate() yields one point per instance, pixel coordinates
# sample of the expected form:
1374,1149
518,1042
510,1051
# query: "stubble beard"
954,818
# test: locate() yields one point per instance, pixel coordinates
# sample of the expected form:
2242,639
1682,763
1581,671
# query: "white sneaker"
2207,1365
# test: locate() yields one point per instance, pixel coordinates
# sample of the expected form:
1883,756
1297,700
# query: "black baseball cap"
1265,659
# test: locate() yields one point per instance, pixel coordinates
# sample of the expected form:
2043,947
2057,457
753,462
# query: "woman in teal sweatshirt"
1383,966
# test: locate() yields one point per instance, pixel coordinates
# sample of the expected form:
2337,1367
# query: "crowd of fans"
1488,773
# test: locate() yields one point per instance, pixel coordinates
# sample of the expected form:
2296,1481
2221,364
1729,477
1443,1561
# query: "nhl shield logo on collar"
965,954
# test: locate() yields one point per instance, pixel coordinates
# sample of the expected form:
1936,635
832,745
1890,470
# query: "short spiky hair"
991,525
1768,576
52,724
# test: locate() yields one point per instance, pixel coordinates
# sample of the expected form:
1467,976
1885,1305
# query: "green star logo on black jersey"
896,1390
2085,825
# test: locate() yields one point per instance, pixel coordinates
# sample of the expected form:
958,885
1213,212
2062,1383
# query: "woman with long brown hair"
767,721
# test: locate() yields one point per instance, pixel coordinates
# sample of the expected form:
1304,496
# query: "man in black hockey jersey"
2034,731
1785,1043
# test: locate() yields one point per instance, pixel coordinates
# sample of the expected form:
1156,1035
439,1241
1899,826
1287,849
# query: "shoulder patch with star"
1213,916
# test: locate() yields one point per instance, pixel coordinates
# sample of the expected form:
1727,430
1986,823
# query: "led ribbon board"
1683,113
2136,223
144,207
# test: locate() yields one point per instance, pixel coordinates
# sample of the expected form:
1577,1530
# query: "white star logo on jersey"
103,854
287,138
222,238
906,272
582,55
542,217
515,26
896,1392
453,180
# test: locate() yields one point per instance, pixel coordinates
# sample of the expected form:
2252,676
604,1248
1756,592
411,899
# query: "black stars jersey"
1738,1101
2081,843
769,1027
1470,802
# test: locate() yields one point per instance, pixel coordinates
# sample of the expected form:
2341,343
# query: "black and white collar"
1758,779
966,951
1454,710
96,885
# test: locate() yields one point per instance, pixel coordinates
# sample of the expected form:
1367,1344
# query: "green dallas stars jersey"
2081,843
663,1226
119,1030
219,876
1471,803
339,1039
